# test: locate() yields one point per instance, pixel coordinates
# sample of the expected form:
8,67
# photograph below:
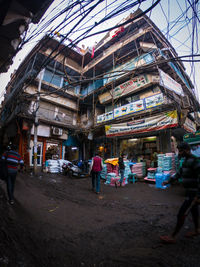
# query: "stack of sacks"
167,163
53,166
112,168
151,173
61,162
160,160
115,169
170,173
109,167
112,165
114,181
159,170
172,155
144,169
138,169
177,162
127,171
110,176
104,171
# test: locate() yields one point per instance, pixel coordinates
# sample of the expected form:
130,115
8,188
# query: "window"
130,99
110,107
156,89
53,77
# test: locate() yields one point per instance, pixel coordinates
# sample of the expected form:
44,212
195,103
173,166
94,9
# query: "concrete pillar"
165,141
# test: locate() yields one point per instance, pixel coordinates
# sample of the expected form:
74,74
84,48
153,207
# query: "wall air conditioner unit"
57,131
186,101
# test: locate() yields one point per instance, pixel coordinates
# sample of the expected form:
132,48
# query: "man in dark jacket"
190,174
121,168
12,159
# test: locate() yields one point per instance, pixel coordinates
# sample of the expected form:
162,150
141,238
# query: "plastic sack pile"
55,166
111,173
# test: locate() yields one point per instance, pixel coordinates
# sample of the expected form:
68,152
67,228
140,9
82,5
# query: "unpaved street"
58,221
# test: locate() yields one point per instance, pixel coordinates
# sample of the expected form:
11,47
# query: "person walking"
190,174
121,168
96,167
12,159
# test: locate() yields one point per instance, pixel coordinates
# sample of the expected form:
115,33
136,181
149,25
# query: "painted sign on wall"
159,122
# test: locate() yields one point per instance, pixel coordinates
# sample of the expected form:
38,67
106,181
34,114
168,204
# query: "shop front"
141,148
142,140
46,149
71,149
48,146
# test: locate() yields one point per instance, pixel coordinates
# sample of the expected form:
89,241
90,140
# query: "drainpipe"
40,76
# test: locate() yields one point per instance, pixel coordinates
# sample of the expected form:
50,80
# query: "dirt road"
58,221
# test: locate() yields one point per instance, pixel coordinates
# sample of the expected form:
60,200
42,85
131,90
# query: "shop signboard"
129,108
104,97
192,138
139,105
154,100
127,87
169,83
130,86
189,125
105,117
155,123
42,130
128,66
174,67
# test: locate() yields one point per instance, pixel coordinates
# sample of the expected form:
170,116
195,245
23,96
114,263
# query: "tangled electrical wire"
79,20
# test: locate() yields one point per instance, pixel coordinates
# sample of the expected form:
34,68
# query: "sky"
175,18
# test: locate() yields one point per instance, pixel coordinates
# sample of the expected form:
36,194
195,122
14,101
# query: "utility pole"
40,76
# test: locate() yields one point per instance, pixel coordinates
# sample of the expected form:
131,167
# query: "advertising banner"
169,83
125,88
130,86
139,105
129,108
122,70
155,123
154,100
105,117
189,125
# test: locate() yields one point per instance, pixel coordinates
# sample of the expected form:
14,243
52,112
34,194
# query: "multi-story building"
143,100
37,91
130,93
